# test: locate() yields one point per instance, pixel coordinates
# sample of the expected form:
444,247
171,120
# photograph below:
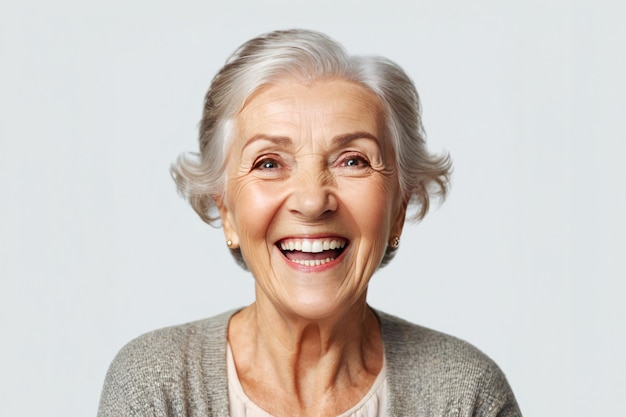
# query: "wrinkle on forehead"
311,112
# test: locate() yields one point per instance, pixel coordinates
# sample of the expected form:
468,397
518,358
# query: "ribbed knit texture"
181,371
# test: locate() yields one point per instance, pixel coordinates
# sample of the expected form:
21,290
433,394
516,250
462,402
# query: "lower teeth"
316,262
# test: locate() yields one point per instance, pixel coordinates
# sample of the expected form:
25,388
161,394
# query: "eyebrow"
349,137
278,140
338,140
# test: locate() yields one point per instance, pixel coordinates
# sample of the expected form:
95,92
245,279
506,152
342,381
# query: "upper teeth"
312,245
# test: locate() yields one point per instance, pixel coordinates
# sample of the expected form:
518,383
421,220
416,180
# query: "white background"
524,260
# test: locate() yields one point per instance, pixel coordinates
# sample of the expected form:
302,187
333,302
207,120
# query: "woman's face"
312,195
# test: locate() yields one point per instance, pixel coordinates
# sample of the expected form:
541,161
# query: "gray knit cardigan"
181,371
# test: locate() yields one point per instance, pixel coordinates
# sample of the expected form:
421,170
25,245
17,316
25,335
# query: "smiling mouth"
312,252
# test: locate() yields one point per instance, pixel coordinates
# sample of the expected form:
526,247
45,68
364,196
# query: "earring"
229,243
395,242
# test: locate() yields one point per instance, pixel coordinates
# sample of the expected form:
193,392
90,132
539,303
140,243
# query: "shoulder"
416,343
153,371
435,370
174,342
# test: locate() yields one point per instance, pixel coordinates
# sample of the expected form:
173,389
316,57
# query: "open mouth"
312,252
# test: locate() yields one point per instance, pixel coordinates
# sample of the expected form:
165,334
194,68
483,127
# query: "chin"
321,307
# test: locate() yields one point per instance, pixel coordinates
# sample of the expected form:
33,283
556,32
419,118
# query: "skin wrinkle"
299,370
317,346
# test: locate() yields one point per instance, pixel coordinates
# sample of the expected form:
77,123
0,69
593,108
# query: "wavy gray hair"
308,56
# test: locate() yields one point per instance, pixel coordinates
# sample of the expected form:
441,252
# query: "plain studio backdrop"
524,260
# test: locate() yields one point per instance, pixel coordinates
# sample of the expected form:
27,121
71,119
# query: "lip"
314,245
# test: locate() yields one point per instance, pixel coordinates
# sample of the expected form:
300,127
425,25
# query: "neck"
306,358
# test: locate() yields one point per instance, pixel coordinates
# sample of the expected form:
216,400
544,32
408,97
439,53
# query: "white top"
373,404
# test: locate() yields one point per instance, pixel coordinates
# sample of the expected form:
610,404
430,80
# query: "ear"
229,226
398,221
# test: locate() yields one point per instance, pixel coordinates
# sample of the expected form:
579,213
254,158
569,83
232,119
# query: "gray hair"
309,56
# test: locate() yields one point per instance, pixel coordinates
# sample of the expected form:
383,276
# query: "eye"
267,164
355,160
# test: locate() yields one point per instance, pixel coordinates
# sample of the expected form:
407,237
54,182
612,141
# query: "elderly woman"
310,158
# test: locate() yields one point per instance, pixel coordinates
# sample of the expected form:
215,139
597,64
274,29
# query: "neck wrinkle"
307,358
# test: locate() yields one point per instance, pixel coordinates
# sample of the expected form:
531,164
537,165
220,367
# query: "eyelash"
266,160
361,160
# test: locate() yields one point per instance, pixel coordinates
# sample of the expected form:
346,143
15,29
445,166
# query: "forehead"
322,107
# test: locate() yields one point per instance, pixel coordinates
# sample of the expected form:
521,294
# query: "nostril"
313,202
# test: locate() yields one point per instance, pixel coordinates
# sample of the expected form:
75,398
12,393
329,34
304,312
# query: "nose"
313,195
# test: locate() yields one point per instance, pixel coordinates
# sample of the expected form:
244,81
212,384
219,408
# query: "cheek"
253,209
371,208
254,204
